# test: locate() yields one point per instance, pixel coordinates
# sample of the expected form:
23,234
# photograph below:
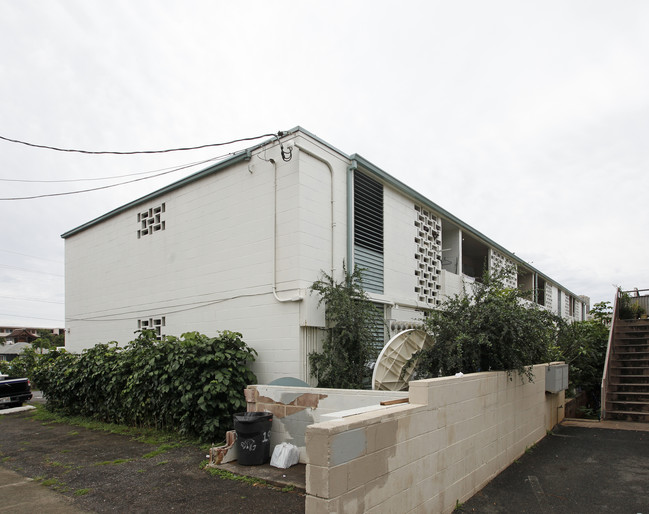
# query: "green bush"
582,345
191,384
491,329
347,350
22,366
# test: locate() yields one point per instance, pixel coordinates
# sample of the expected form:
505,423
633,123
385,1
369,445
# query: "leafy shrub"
192,384
22,366
629,308
492,329
582,345
347,350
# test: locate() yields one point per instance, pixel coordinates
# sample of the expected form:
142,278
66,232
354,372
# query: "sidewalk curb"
22,495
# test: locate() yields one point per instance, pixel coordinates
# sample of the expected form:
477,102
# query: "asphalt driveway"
55,467
580,468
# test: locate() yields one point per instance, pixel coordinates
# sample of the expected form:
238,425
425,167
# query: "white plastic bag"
285,455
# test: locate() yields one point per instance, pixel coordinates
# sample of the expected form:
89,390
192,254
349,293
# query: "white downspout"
331,196
298,297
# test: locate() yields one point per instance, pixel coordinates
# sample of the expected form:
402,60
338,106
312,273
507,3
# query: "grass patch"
55,483
141,434
257,482
227,475
81,492
6,459
112,462
163,448
162,462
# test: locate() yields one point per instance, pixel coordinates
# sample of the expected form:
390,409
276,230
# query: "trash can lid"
251,417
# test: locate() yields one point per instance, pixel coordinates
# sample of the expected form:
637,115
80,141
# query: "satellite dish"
395,356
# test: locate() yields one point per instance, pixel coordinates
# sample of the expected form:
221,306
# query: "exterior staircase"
627,383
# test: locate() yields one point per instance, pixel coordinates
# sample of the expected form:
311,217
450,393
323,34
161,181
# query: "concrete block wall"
444,446
295,408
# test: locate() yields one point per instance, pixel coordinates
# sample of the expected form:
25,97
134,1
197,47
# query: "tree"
491,329
347,349
48,341
582,345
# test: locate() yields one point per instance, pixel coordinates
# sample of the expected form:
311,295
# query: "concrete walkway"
20,495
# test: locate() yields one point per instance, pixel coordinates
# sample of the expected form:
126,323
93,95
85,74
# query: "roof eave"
397,184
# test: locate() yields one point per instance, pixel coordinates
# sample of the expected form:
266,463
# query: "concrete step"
636,406
623,415
622,396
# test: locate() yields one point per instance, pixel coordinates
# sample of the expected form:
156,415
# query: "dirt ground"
103,472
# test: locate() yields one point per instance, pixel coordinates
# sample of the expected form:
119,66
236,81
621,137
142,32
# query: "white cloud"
527,120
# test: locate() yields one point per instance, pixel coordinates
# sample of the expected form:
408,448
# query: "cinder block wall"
454,436
295,408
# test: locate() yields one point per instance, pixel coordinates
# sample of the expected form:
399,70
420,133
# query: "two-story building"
237,245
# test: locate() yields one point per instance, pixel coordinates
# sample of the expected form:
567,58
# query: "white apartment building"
236,247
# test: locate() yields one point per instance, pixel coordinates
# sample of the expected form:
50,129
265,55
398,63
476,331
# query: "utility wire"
5,266
26,299
30,256
100,178
103,152
163,311
28,317
48,195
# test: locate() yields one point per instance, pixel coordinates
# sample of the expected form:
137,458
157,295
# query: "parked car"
15,391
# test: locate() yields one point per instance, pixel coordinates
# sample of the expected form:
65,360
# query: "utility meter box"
556,378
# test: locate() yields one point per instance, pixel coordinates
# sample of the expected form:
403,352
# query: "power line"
25,298
162,312
99,178
79,191
29,270
31,256
135,152
58,320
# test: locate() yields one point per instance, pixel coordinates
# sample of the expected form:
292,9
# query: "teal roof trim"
171,187
238,157
362,162
397,184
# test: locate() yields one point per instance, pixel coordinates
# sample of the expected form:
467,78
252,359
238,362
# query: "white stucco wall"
228,237
211,268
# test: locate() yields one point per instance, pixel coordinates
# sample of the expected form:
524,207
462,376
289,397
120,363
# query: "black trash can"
253,437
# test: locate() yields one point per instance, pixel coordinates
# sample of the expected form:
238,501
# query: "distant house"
9,351
237,245
20,335
7,332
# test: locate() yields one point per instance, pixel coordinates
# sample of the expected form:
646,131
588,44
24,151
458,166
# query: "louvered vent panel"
378,330
368,231
368,213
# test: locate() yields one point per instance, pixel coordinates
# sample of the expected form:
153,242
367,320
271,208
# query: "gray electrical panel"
556,378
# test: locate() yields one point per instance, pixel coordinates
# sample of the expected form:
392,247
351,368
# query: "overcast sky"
527,120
